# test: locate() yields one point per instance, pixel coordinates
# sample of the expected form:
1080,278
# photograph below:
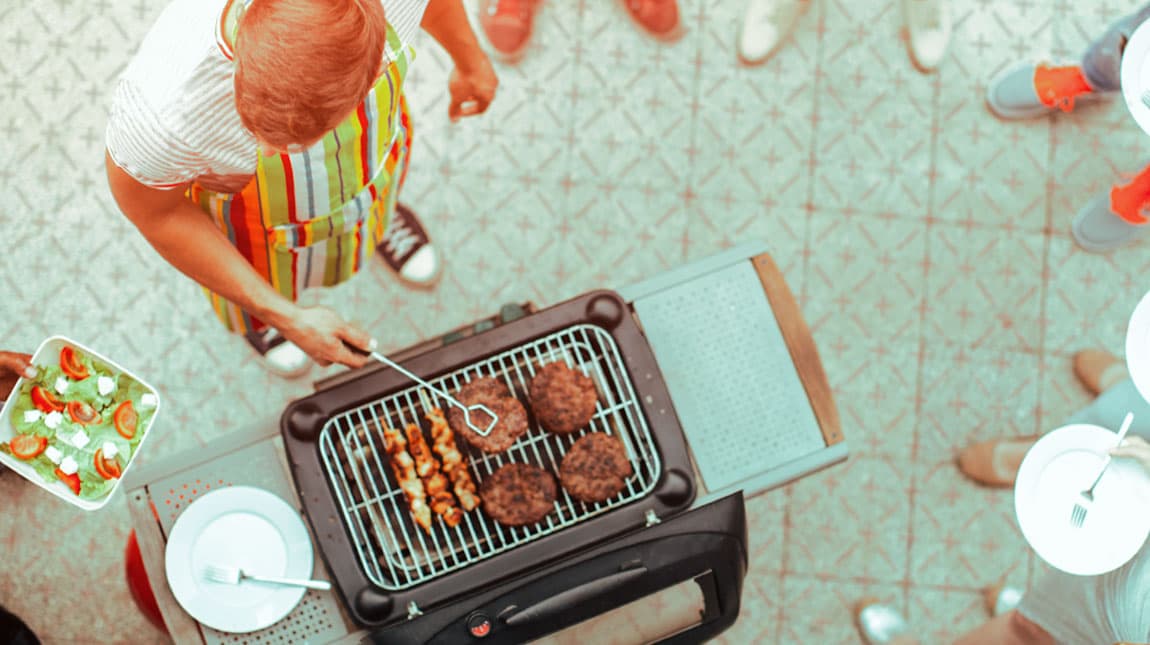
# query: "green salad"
79,422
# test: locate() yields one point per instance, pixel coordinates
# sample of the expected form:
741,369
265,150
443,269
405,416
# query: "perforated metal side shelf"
243,459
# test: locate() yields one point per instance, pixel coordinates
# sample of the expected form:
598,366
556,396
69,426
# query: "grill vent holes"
310,618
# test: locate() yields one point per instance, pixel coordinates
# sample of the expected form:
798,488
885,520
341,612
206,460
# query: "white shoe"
929,27
281,356
878,623
766,24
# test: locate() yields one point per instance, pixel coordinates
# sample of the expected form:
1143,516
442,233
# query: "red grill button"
479,625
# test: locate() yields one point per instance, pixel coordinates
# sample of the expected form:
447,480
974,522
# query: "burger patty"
518,494
595,468
563,399
495,395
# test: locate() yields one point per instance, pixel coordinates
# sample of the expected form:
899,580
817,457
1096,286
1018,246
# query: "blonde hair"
302,66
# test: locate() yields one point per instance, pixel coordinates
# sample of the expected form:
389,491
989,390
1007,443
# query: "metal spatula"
1086,497
469,411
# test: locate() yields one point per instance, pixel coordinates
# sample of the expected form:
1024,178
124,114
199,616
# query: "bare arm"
188,240
473,82
184,236
446,21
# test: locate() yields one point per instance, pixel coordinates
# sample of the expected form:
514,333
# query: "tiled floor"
927,240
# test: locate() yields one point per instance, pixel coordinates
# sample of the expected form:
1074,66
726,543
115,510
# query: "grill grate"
393,551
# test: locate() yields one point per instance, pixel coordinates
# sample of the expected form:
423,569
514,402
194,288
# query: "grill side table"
158,492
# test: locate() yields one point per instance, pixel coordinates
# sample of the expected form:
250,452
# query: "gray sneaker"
1011,94
1098,229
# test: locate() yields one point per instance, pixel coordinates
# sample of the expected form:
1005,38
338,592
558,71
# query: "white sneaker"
281,356
929,27
766,24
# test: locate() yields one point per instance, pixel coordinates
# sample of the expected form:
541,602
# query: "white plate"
241,527
1135,75
49,354
1056,469
1138,346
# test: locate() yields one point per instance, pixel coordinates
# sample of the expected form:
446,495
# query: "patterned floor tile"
974,395
940,615
1060,393
624,236
964,535
865,276
1090,297
875,385
984,288
766,530
716,224
819,610
755,129
759,612
867,499
875,114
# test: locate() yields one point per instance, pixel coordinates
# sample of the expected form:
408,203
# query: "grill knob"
479,625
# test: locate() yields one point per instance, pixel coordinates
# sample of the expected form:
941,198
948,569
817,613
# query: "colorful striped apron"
312,218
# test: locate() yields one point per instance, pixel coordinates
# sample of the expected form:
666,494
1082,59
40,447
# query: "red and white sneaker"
508,25
660,18
407,251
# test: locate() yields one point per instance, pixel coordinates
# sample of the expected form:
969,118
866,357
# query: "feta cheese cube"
109,449
147,400
80,439
53,420
69,466
53,455
61,384
105,385
32,416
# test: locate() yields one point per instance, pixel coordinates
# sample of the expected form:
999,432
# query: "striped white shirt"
173,117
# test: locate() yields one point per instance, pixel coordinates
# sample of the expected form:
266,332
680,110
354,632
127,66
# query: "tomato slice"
83,413
73,480
26,446
72,365
126,419
44,401
107,468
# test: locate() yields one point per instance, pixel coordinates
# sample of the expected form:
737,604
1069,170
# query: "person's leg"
1102,62
1111,407
1027,89
1114,217
995,463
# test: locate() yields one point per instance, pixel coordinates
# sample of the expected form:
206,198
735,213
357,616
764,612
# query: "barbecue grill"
513,584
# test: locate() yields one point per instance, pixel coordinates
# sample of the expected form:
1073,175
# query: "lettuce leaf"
94,490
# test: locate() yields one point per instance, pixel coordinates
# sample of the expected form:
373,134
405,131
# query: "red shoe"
508,25
660,18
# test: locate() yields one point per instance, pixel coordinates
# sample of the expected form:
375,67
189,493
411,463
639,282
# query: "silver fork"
233,576
1086,497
